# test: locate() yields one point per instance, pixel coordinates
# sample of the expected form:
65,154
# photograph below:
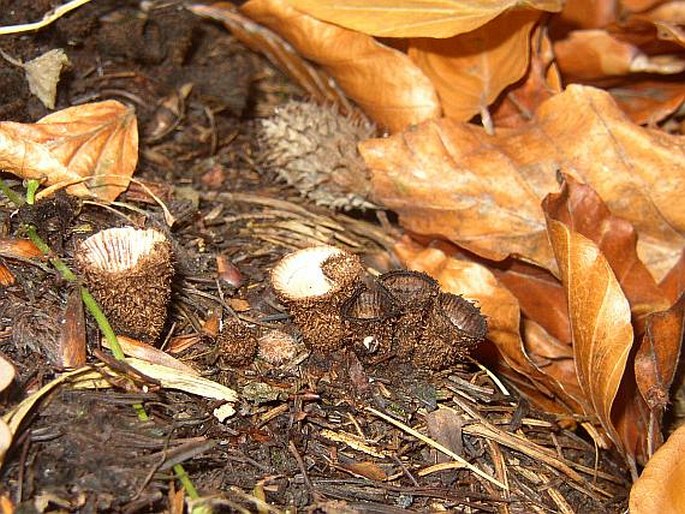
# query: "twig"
437,446
49,17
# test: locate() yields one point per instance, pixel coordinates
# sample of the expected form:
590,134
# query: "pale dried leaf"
600,320
42,74
384,82
96,141
415,18
148,353
470,70
660,487
484,192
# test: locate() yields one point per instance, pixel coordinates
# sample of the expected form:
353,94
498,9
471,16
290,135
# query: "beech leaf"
96,141
483,192
600,320
470,70
660,487
383,81
415,18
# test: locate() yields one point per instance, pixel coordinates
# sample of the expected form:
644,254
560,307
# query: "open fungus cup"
313,283
453,328
129,271
369,317
415,294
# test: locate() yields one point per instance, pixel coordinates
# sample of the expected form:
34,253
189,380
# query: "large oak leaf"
484,192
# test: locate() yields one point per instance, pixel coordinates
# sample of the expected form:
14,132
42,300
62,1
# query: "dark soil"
302,439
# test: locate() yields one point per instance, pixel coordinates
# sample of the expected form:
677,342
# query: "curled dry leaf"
470,70
600,320
483,192
542,81
70,347
414,18
594,54
148,353
649,102
96,141
582,210
384,82
18,248
660,487
659,353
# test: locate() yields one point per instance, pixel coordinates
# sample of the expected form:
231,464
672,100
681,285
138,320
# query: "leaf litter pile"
359,256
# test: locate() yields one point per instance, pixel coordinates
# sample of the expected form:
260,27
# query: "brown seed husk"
237,343
455,326
313,283
129,273
314,149
415,293
370,316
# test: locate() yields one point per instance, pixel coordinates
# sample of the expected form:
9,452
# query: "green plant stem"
13,197
183,477
100,318
32,186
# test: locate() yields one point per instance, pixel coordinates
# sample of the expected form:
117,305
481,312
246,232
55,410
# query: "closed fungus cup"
129,272
415,294
313,283
370,316
236,343
453,329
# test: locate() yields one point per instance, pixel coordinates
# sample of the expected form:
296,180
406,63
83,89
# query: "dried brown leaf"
384,82
659,353
6,276
600,320
595,54
18,248
71,344
580,208
470,70
415,18
541,82
484,192
280,53
96,141
660,487
650,101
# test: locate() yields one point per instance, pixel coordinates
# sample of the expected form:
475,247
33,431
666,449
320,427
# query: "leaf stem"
13,197
95,311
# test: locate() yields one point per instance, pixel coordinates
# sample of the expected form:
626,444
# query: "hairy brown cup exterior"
313,283
129,272
454,327
237,343
415,294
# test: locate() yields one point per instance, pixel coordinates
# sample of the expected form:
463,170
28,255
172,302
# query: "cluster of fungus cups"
401,314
